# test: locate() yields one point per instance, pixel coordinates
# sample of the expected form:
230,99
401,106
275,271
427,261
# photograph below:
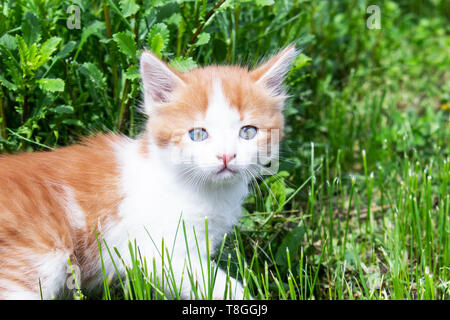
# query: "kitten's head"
216,123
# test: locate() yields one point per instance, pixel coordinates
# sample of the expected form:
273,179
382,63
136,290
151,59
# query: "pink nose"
226,158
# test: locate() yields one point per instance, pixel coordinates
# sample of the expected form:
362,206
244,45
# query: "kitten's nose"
226,158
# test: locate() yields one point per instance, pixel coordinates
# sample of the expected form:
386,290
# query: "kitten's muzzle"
226,158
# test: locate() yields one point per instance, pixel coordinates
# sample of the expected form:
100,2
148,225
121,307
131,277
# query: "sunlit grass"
362,250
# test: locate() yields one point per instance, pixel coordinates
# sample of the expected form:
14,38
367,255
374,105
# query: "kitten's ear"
272,73
159,80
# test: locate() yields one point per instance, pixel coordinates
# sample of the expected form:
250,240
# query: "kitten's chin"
225,176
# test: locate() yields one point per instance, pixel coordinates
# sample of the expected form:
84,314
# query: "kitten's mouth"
225,169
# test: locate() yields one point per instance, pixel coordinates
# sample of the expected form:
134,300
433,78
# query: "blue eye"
248,132
198,134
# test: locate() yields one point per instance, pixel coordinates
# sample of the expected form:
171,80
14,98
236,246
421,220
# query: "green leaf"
64,109
183,64
301,61
128,7
47,50
175,19
13,69
132,72
116,9
157,45
66,50
125,42
73,122
93,29
263,3
9,85
52,85
8,41
23,53
292,241
203,38
158,38
31,29
93,73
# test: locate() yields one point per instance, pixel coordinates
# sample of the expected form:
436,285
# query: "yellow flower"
445,107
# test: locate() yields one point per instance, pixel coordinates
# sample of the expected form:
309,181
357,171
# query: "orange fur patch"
33,216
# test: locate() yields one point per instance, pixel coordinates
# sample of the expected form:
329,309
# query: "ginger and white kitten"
194,160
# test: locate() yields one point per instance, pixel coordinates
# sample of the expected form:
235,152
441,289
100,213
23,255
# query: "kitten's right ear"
158,79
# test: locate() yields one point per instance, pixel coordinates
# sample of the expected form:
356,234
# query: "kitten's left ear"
159,80
272,73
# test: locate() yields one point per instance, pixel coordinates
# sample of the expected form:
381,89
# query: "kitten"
194,160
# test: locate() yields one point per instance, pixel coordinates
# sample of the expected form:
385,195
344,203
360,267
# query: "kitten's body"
51,203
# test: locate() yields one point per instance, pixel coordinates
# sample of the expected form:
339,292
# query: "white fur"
51,272
75,214
13,291
273,78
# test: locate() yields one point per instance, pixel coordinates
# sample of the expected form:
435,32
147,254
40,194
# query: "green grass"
360,207
397,250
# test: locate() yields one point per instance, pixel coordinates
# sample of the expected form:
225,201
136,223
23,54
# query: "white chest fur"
155,201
